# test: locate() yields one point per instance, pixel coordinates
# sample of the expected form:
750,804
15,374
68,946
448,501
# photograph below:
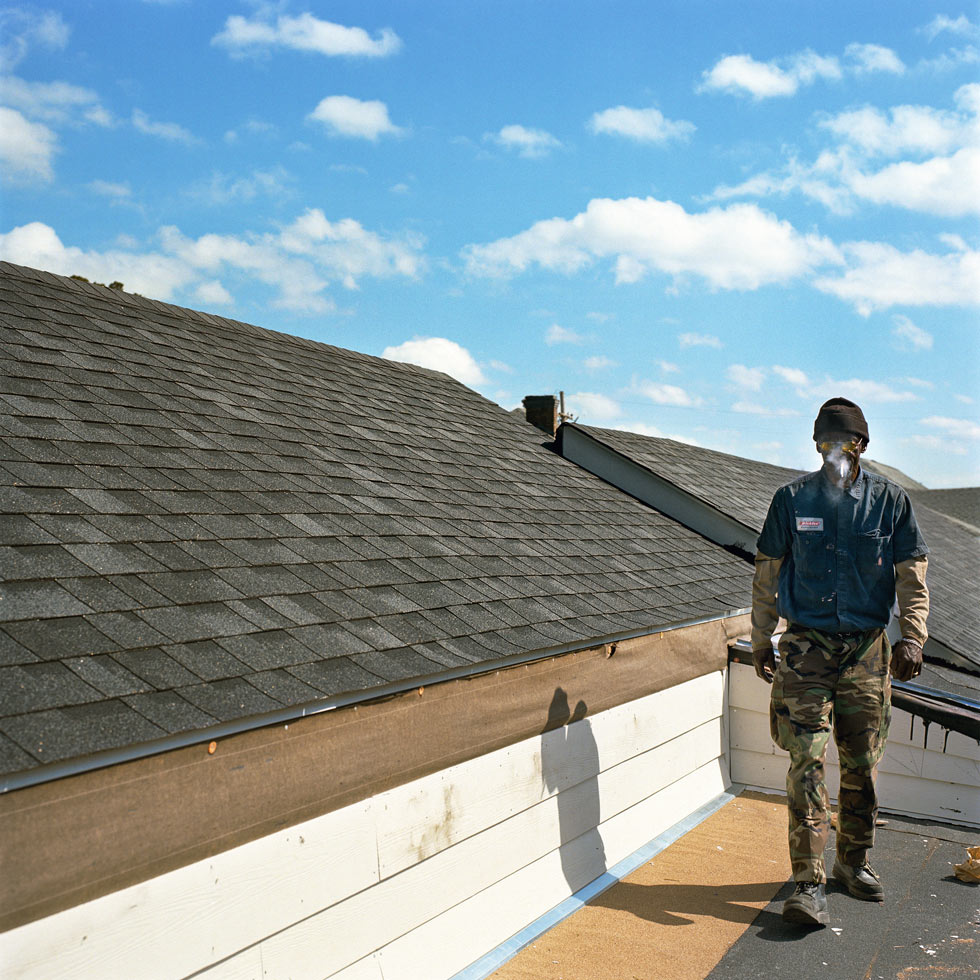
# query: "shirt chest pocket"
812,553
874,550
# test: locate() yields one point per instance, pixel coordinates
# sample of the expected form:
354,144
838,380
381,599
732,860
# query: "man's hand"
765,663
906,660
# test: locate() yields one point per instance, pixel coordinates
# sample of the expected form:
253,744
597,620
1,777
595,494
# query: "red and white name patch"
809,523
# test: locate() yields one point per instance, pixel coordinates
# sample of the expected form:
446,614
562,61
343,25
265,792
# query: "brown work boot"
861,882
807,906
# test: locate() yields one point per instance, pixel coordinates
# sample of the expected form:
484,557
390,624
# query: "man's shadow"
570,766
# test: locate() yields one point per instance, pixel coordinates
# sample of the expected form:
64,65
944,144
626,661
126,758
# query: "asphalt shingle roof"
203,521
963,503
743,488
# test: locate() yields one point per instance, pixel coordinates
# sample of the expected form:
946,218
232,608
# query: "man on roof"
837,548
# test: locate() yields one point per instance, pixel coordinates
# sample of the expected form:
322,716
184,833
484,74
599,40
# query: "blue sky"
697,219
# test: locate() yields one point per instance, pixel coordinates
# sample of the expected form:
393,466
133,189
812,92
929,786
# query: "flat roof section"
709,906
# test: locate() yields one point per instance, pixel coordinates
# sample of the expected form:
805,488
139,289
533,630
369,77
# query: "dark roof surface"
204,521
743,488
962,503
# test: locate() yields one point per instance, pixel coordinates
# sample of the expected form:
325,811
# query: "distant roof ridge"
792,472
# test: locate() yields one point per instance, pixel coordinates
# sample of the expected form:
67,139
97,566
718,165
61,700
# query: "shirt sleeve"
776,538
907,540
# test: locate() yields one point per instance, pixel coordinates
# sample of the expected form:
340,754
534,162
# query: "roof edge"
720,528
111,757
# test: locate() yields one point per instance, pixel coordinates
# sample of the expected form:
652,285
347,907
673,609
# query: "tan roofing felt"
677,915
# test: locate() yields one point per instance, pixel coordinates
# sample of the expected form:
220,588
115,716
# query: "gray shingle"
56,639
105,675
63,733
38,562
336,676
29,600
155,667
266,650
205,620
206,660
35,687
169,711
228,699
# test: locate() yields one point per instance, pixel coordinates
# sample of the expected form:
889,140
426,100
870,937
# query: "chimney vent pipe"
542,411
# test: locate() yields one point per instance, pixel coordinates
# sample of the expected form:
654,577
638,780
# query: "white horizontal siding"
915,777
458,860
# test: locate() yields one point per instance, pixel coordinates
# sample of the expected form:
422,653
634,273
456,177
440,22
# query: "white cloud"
305,33
593,406
909,336
879,276
643,125
699,340
910,128
152,274
738,247
221,189
53,101
557,334
598,362
964,399
663,394
873,57
251,127
793,376
299,261
344,115
857,389
529,143
936,443
956,428
26,148
668,367
213,294
746,377
942,23
113,190
947,186
743,75
21,28
439,354
173,132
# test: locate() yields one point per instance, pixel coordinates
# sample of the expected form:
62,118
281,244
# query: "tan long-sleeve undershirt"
913,598
765,613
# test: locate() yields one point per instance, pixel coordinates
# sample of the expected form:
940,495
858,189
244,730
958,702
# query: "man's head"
841,434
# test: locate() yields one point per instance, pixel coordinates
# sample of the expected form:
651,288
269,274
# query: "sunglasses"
848,447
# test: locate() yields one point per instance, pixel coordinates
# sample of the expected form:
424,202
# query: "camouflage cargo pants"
823,681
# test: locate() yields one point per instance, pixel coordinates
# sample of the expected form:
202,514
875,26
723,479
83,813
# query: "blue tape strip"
507,950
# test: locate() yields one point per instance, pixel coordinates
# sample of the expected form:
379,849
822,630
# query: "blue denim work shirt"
840,548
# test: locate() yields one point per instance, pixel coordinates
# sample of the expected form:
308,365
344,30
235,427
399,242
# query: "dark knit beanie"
840,415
